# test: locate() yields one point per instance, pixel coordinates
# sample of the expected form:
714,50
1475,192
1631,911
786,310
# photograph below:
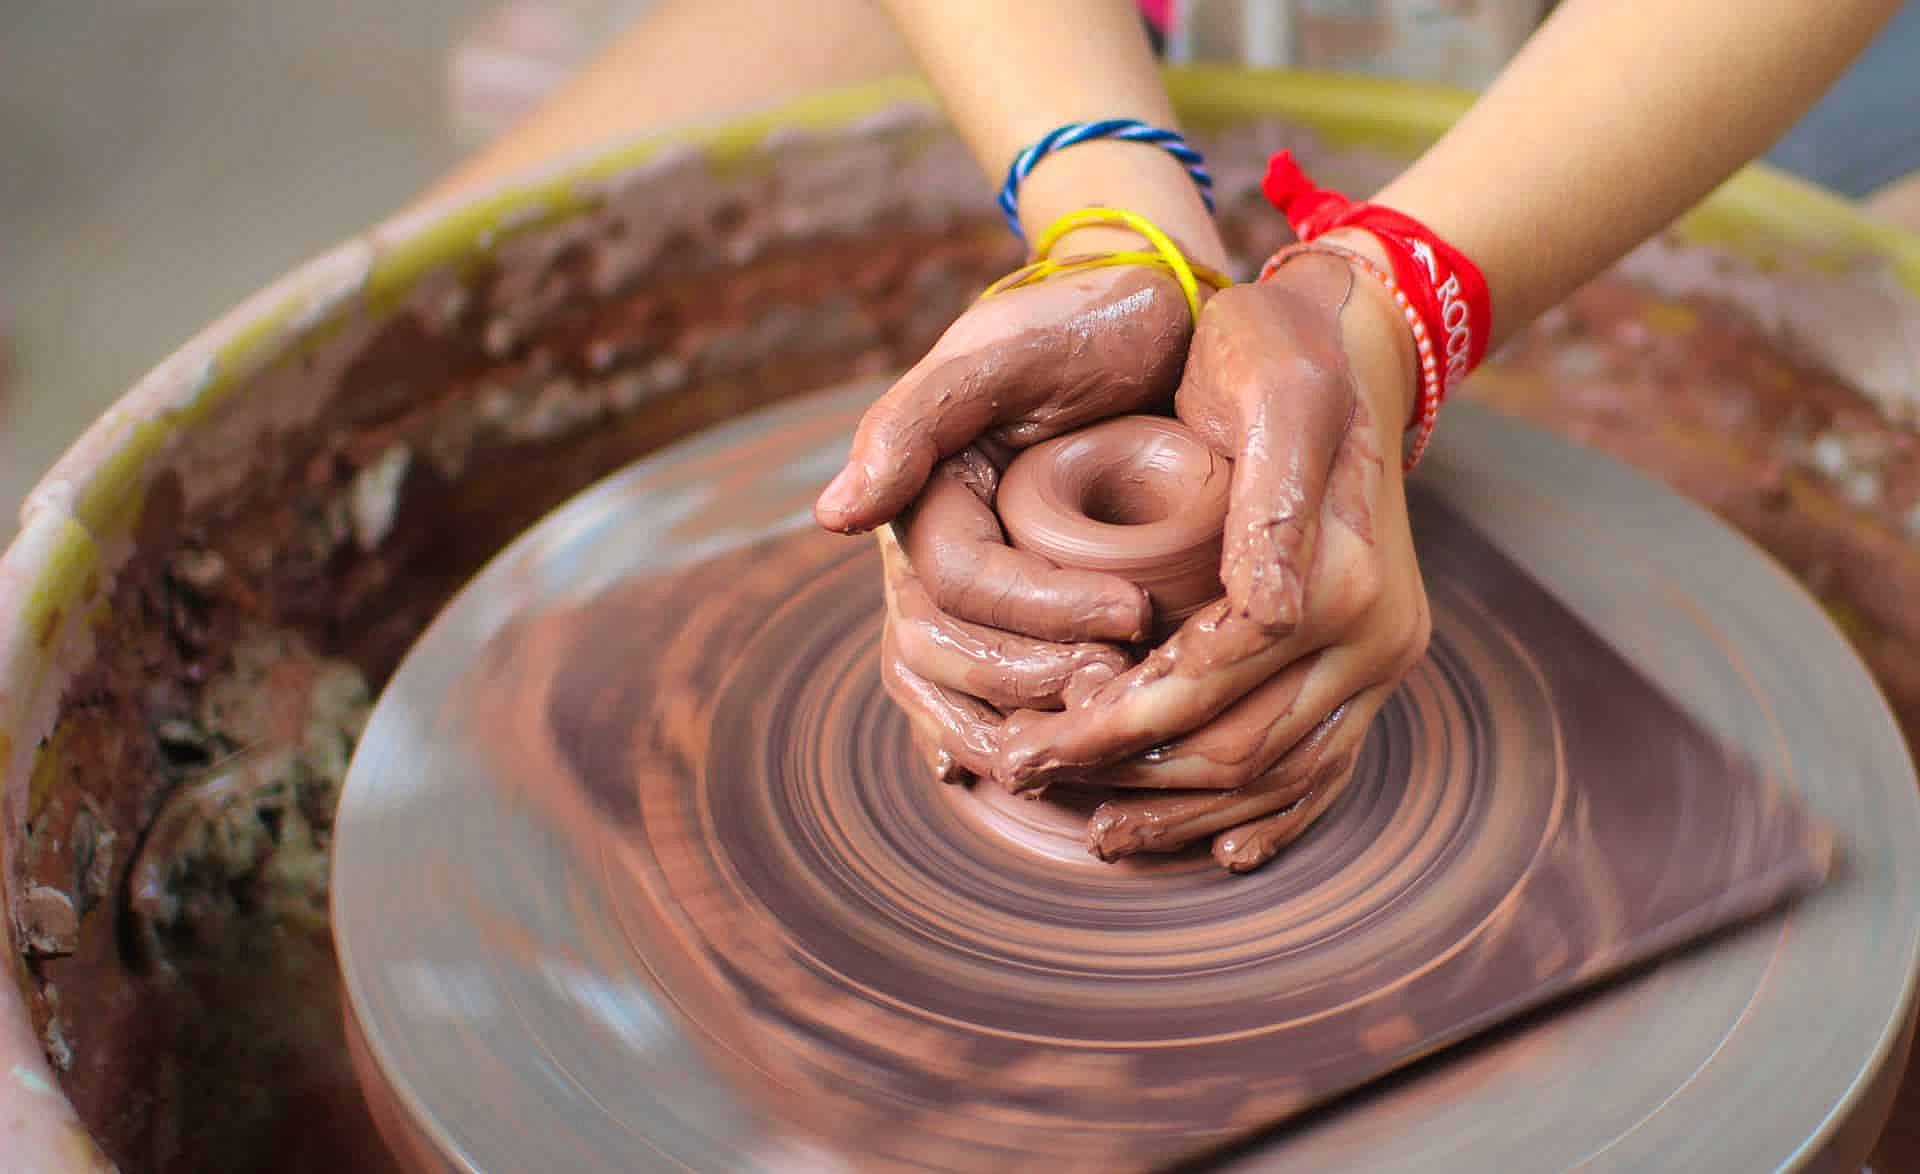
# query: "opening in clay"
1127,495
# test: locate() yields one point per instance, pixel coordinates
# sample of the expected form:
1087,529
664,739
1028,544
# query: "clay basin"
211,583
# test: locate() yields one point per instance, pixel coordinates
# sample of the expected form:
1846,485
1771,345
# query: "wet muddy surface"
178,965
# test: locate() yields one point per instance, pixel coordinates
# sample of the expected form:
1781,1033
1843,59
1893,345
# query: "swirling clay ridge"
912,975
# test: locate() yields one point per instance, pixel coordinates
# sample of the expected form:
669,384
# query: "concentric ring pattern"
652,826
949,983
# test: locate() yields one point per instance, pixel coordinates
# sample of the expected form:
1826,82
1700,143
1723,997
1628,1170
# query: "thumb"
1032,363
1270,387
934,411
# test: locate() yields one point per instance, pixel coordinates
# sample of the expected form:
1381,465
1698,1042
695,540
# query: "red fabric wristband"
1445,288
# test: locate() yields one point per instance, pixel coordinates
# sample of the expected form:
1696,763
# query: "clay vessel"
1140,497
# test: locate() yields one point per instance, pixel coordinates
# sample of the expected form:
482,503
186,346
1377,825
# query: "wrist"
1378,336
1136,177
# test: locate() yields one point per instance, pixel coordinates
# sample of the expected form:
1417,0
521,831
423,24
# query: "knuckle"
1412,633
948,571
1362,589
1231,776
913,644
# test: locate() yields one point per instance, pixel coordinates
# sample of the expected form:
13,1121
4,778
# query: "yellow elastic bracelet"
1165,255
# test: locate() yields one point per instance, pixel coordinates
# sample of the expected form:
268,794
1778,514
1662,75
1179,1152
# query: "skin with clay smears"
1005,670
1252,714
969,617
1019,368
1269,387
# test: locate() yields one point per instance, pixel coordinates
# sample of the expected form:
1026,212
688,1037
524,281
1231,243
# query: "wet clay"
1140,497
1218,706
345,493
925,979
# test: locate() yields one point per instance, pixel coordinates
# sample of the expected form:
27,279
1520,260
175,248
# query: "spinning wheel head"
663,707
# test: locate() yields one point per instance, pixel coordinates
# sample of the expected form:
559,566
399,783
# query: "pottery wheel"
636,867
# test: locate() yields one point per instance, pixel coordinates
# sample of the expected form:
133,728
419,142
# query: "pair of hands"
1245,723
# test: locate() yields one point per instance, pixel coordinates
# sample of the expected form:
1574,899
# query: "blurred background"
161,159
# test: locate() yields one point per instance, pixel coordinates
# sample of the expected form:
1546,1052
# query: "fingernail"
1017,766
1134,614
842,494
1111,835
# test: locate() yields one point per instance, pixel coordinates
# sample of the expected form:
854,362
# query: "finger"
1259,730
1037,361
1269,385
1234,748
1122,827
1273,504
955,733
1213,660
935,409
1003,669
958,550
1247,847
1252,844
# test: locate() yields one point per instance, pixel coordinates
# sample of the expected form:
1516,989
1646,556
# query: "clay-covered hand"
975,627
1017,368
950,655
1264,698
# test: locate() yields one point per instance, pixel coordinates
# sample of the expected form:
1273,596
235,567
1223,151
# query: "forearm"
689,60
1615,119
1008,71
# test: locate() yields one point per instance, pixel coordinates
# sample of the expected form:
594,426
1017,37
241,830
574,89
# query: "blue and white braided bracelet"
1130,130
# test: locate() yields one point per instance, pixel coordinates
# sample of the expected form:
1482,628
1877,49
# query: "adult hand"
1264,698
975,627
955,678
1017,368
950,658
